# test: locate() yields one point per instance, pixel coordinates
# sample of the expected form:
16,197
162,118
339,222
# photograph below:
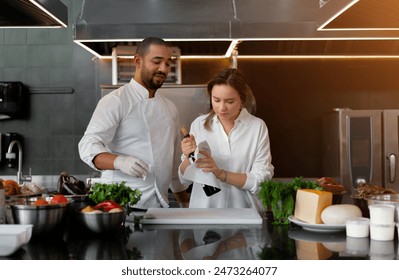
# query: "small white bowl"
12,237
358,227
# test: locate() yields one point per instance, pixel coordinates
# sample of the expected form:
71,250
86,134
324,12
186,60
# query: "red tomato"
40,202
58,198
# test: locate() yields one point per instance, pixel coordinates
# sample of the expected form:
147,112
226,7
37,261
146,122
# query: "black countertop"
197,242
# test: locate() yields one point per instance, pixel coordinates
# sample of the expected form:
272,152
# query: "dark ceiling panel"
369,14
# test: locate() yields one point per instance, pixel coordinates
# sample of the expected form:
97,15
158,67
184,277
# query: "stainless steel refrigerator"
361,146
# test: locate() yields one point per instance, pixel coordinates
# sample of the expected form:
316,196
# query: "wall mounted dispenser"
13,98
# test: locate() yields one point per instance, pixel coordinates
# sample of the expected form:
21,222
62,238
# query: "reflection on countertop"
201,242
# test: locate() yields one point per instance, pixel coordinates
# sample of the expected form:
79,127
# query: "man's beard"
152,82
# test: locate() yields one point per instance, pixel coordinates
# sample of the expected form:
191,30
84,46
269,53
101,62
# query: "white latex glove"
131,166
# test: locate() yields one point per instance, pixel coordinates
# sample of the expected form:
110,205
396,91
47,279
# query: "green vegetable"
280,197
120,193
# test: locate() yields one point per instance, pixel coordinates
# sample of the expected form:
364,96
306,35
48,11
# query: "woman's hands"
207,164
188,145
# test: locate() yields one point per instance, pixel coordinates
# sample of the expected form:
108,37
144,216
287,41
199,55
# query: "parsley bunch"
118,192
280,197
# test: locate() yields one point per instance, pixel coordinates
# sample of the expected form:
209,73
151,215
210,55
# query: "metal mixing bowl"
103,222
44,218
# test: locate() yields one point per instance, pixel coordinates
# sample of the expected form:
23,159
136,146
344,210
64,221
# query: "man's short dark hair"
144,46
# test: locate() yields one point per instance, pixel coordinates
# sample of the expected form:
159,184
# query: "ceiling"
214,27
33,13
260,27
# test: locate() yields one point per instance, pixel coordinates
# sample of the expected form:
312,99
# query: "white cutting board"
202,216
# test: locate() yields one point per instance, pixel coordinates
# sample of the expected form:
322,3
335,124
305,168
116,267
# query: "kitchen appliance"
13,97
361,146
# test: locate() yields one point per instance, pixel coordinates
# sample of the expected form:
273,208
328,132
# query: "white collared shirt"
128,122
245,150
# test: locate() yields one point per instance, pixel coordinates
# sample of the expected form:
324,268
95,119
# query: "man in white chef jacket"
133,132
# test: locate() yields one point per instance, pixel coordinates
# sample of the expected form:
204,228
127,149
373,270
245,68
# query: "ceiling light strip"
314,56
47,12
346,7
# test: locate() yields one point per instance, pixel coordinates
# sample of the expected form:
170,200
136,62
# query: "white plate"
317,227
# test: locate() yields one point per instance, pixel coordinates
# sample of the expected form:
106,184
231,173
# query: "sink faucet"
10,155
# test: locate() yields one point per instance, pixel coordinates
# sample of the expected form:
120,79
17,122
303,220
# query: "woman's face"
226,102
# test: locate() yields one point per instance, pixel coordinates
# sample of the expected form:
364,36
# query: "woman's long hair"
231,77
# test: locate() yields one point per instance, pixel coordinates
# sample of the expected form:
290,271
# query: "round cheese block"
338,214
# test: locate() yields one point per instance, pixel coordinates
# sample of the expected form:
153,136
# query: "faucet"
10,155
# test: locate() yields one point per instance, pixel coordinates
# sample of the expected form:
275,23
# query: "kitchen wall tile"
61,103
39,125
84,169
15,56
38,166
2,36
38,56
39,147
61,56
16,125
61,77
61,165
14,36
81,122
83,60
2,60
40,104
85,100
14,74
62,146
62,124
61,36
39,36
38,77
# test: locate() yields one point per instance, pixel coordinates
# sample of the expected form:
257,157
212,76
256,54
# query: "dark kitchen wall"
292,95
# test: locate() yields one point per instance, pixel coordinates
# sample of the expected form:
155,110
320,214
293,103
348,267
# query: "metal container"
44,218
103,222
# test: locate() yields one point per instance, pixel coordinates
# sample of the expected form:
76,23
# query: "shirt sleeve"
101,130
262,168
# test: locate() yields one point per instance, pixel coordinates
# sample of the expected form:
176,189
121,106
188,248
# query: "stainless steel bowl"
44,218
103,222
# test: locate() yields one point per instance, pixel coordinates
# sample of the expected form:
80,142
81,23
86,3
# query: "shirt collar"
139,88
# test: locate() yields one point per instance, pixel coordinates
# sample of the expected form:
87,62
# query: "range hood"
253,27
33,13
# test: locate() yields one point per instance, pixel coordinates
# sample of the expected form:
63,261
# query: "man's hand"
131,166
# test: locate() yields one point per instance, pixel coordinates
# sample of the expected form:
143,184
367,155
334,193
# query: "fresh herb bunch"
118,192
280,197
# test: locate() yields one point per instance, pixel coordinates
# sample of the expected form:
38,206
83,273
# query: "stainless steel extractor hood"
33,13
215,27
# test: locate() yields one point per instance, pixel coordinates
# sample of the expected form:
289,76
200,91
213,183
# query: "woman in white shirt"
239,143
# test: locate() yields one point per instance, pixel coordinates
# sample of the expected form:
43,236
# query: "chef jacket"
246,149
128,122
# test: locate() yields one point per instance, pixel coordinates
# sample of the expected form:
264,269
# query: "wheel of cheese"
339,213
